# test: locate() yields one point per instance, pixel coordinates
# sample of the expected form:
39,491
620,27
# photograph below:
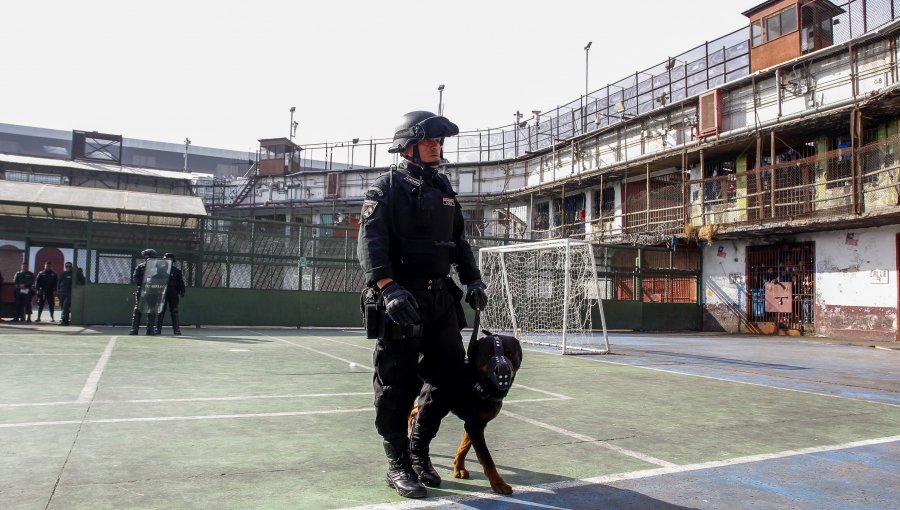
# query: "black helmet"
416,126
149,253
169,256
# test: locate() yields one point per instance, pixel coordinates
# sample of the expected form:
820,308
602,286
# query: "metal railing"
685,75
830,185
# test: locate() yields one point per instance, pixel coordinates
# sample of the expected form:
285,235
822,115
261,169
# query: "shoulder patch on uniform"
368,208
450,202
375,191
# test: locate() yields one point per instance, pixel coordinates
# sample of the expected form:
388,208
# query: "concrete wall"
724,291
856,284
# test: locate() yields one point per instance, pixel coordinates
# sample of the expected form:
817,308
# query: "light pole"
187,143
516,128
293,128
537,126
441,99
587,50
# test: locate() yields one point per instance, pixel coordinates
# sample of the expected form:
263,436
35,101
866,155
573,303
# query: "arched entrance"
10,263
48,254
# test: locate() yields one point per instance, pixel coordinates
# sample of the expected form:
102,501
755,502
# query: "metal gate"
781,285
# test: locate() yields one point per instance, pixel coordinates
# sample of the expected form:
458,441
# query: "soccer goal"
545,293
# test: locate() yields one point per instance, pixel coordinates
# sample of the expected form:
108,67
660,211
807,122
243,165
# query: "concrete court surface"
282,418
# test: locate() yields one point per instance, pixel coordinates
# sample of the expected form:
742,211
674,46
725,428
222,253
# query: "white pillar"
552,210
588,210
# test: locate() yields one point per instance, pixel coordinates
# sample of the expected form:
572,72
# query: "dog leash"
476,325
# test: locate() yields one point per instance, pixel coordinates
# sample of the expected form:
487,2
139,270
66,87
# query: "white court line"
369,348
48,354
808,392
184,418
588,439
212,416
618,477
556,395
332,356
250,397
196,399
90,386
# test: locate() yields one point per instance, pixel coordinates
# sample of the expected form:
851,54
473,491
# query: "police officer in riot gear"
411,231
174,290
137,278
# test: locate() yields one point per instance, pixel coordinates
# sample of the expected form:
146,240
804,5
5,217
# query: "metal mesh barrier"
704,67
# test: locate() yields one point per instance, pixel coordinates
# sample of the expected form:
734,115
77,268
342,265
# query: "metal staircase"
251,177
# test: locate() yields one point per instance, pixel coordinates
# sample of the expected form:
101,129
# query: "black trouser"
398,369
171,303
136,314
23,304
65,303
46,297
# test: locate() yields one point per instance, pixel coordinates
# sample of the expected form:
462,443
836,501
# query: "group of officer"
411,232
174,289
48,285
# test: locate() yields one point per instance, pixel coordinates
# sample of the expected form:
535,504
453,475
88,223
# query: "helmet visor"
432,127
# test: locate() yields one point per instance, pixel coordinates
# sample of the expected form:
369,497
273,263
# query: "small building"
781,30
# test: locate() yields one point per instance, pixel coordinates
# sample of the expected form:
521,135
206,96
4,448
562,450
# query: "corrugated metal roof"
92,166
66,136
16,194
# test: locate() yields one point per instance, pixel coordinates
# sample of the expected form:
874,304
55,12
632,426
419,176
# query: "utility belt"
439,283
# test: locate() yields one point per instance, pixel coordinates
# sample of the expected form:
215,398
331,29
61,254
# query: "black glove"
400,304
475,295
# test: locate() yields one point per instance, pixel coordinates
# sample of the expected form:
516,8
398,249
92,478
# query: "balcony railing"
830,186
687,74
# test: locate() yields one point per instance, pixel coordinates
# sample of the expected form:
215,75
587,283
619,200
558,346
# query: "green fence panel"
110,304
670,316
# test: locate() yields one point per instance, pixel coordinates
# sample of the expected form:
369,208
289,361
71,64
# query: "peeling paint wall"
724,290
855,283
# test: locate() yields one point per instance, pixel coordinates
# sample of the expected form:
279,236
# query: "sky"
225,73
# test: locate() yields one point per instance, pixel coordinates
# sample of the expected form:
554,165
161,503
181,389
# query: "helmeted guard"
174,290
411,232
137,278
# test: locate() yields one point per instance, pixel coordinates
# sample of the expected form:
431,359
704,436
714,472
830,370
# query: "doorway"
780,287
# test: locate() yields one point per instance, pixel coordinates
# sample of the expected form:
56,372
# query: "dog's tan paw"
501,487
461,473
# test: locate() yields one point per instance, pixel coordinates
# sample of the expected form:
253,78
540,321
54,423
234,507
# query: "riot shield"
153,291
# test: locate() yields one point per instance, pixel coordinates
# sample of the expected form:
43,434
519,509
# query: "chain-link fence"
704,67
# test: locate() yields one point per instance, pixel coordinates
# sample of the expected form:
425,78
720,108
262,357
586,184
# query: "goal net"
545,293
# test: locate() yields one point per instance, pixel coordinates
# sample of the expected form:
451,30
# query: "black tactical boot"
151,324
418,455
135,322
176,327
400,475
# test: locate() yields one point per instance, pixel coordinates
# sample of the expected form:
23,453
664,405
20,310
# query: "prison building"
752,179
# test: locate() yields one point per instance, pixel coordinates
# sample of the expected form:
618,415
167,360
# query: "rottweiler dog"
491,365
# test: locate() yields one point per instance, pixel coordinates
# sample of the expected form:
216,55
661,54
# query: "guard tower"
278,156
781,30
